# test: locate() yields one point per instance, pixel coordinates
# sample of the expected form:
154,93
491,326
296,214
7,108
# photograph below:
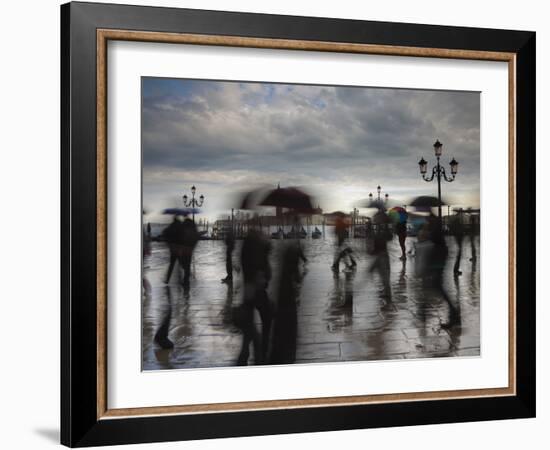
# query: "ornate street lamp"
379,190
439,171
193,203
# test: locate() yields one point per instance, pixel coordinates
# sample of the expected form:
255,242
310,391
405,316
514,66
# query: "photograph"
298,223
290,221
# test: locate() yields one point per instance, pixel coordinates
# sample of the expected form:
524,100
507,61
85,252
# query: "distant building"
333,217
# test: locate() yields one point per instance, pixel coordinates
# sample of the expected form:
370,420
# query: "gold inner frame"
104,35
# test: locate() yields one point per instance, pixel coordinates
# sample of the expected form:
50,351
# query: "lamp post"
379,190
438,171
193,203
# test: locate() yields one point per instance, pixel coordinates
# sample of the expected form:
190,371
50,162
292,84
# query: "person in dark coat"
229,247
380,237
189,241
181,236
256,271
457,230
401,232
436,267
285,329
341,232
169,235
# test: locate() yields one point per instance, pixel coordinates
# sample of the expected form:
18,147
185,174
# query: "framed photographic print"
277,224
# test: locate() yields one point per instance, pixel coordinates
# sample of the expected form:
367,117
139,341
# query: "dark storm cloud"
319,133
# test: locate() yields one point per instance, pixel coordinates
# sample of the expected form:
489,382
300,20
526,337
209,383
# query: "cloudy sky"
339,142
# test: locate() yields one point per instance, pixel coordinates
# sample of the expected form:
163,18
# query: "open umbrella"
426,202
397,214
181,211
289,197
249,200
370,203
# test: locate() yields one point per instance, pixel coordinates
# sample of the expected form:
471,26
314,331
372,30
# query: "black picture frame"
80,425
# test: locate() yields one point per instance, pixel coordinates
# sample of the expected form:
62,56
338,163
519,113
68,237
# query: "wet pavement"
341,317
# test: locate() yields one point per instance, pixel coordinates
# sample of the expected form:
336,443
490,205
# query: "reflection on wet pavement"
341,317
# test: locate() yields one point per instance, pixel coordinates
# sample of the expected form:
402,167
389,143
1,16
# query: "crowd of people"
275,341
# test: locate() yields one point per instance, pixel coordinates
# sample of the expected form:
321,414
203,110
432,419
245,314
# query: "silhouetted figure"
171,235
146,249
229,247
285,328
474,231
161,336
256,276
340,230
190,239
457,230
379,248
182,237
436,266
149,229
401,232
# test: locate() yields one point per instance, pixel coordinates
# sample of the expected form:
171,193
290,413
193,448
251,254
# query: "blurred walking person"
189,241
457,230
474,231
436,267
399,217
341,232
229,241
181,236
401,232
377,245
285,328
256,272
170,235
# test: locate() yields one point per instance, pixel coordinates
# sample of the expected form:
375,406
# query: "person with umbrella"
399,216
256,271
181,236
436,255
171,235
380,237
285,328
341,231
190,239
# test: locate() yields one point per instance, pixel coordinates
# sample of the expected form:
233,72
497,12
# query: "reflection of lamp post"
192,202
379,190
438,170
